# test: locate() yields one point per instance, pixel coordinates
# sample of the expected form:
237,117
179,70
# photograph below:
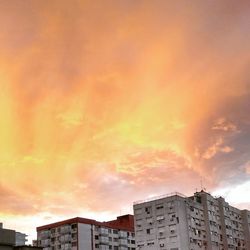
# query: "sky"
103,103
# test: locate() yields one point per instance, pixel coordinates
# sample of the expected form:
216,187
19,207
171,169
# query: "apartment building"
21,239
212,220
177,222
86,234
9,241
246,225
7,238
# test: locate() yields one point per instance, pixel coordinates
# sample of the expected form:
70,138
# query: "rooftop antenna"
202,187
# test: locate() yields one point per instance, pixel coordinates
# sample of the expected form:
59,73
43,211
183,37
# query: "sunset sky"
106,102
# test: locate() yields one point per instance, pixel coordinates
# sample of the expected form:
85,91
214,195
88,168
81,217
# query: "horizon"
107,218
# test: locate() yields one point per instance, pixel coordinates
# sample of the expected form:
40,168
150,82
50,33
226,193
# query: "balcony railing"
160,197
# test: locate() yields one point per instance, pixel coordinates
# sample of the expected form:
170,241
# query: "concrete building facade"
246,225
7,238
176,222
21,239
85,234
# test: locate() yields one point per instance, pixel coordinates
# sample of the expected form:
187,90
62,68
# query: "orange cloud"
215,148
133,98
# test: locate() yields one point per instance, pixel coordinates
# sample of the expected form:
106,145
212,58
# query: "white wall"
84,237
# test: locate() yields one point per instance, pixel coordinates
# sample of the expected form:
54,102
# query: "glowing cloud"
99,99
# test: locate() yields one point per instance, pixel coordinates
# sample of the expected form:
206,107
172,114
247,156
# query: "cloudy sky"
103,103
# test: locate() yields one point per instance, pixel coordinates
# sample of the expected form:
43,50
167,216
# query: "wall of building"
86,234
200,222
197,239
27,248
7,237
105,238
85,240
20,239
246,225
213,220
8,240
161,224
2,247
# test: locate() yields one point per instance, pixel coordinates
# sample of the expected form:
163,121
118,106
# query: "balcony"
123,242
104,240
65,229
65,238
74,228
44,235
123,235
104,231
45,243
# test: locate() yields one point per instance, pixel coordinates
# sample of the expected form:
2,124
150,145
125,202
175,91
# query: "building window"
138,211
160,206
148,210
150,243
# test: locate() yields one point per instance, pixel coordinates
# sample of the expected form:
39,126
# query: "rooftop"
124,222
160,197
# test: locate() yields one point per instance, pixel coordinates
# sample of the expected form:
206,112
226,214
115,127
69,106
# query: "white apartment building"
21,239
246,225
85,234
176,222
11,238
